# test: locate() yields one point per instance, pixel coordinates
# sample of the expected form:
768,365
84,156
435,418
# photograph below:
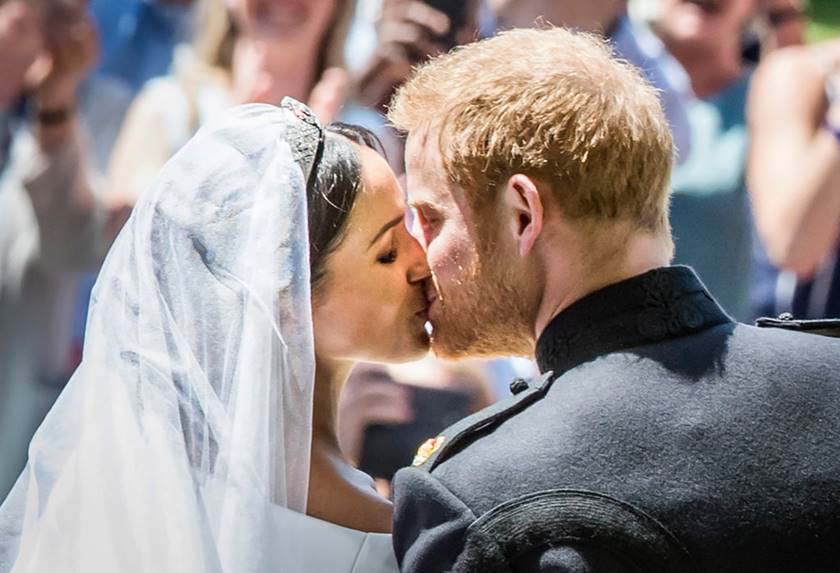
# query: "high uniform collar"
658,305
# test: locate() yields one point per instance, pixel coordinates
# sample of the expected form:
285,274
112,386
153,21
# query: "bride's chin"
417,346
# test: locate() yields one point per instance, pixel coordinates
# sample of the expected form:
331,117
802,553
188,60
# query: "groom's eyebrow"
389,225
417,205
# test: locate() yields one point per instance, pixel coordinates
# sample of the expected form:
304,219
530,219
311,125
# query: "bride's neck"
330,376
338,492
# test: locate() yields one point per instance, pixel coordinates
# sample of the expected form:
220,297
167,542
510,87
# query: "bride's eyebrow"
389,225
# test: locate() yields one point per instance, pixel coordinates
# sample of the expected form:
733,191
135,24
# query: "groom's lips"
432,301
424,312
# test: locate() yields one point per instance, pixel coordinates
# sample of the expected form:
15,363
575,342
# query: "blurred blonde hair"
556,106
217,33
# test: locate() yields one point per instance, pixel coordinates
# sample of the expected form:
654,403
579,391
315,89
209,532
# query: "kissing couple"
271,254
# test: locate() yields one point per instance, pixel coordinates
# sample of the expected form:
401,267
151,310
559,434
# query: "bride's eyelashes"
388,257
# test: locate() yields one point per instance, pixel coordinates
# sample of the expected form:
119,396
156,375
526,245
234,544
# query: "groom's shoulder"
459,435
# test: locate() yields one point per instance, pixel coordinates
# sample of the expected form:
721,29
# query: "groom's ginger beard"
482,311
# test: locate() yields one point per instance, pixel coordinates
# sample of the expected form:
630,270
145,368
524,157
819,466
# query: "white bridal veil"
189,417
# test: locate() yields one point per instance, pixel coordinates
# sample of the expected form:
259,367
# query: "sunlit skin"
705,37
371,308
277,51
501,274
480,306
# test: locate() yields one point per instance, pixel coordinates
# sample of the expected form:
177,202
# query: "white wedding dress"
330,548
182,442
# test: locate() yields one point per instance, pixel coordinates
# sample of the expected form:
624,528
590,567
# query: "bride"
199,432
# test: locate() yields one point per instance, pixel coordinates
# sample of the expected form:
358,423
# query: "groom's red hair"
554,105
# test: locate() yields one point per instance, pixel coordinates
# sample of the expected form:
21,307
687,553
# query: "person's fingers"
20,26
381,402
466,35
390,406
407,33
387,416
421,14
329,93
39,70
407,43
383,393
73,44
261,89
17,15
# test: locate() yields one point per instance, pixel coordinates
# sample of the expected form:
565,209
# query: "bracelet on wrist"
53,117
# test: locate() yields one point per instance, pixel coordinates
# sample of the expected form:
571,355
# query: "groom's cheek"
448,260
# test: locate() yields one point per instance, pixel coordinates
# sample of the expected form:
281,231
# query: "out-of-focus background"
96,95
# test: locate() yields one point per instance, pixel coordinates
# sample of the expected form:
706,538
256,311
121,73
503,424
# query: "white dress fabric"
182,441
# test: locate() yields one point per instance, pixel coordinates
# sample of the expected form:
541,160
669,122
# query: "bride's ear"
523,211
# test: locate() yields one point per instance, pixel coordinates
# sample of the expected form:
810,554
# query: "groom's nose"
415,227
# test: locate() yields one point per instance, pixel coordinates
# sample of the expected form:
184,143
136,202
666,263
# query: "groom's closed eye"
426,222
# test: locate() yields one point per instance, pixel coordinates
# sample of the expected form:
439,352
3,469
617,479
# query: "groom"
663,437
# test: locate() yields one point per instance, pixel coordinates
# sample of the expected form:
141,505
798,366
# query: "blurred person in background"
245,51
138,40
408,33
710,214
782,24
139,37
387,411
53,223
794,179
777,24
630,40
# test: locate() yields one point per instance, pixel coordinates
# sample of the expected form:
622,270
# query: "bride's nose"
418,266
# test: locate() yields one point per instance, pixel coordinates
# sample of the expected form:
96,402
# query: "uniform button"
518,385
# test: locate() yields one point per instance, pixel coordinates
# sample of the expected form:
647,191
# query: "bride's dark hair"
332,191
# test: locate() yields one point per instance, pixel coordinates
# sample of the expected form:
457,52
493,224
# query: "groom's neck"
577,272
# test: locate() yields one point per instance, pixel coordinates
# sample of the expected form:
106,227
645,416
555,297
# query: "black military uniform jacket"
668,439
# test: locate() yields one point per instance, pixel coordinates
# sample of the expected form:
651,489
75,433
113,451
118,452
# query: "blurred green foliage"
825,20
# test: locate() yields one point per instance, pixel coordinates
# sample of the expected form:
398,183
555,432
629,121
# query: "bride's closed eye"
388,258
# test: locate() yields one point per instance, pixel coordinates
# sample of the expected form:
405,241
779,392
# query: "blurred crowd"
95,96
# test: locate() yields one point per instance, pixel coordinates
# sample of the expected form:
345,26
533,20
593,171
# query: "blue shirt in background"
138,37
710,215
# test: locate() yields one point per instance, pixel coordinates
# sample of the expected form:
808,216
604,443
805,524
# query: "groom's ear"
523,211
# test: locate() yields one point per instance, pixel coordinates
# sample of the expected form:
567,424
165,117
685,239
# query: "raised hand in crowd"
590,15
408,32
794,171
370,397
71,49
325,99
